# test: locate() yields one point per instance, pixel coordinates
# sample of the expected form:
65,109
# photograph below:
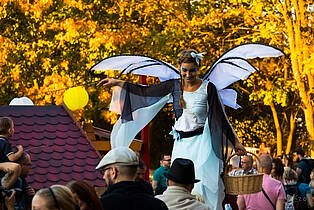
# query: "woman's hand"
110,82
239,148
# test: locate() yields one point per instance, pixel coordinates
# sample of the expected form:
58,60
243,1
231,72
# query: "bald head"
247,163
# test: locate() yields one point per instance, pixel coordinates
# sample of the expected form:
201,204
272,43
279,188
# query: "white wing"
140,65
233,66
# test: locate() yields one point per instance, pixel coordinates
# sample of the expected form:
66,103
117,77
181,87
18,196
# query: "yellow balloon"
75,98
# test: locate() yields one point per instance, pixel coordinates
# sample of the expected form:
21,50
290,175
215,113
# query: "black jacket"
128,195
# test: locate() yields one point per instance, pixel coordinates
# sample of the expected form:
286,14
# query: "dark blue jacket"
128,195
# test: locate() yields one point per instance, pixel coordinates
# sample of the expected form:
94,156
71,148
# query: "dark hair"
141,164
279,168
85,192
300,152
5,124
162,157
290,162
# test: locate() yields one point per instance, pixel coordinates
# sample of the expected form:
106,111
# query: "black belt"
188,134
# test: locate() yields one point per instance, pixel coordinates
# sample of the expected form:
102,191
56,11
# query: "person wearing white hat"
119,168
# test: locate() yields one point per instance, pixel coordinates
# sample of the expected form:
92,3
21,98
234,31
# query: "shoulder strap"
268,198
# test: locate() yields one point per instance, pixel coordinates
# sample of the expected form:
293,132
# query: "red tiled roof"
59,149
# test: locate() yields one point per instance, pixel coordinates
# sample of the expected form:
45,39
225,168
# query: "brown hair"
185,57
85,193
5,124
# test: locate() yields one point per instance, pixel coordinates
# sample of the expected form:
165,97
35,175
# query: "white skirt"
207,166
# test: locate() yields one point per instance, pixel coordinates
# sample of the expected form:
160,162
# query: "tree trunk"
291,131
300,57
277,126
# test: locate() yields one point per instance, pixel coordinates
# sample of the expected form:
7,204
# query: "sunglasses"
189,70
102,171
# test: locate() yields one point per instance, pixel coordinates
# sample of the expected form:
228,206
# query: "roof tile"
59,150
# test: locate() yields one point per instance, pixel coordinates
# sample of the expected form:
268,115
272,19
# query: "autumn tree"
49,46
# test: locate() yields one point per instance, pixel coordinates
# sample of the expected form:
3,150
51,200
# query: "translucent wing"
140,65
233,66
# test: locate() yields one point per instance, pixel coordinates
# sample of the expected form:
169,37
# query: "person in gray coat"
180,181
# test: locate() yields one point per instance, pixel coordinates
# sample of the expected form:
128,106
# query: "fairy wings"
227,69
139,104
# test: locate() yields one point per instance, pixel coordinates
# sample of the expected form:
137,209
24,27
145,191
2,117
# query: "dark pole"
145,139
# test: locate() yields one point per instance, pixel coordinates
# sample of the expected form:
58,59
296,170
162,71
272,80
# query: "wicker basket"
245,184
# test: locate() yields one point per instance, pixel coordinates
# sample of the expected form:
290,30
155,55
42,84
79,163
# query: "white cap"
119,155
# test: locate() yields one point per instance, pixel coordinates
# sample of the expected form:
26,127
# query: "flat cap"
119,155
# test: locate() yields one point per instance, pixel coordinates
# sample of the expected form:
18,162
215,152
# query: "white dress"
206,150
198,148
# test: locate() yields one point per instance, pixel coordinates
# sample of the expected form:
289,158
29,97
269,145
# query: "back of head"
85,193
23,159
186,57
182,171
300,152
265,163
289,174
25,163
124,158
5,124
57,197
279,167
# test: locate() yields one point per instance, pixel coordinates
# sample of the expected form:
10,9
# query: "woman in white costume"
201,131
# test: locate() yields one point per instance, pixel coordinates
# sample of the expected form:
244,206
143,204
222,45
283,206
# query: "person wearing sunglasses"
119,167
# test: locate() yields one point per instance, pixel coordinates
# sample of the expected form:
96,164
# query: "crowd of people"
189,178
287,183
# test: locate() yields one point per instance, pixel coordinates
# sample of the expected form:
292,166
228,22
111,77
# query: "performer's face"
188,72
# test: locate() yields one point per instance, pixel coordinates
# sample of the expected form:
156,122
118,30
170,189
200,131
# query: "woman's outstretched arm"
107,82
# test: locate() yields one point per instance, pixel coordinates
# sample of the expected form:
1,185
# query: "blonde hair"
63,197
289,174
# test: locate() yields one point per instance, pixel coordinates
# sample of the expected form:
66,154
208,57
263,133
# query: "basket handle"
231,156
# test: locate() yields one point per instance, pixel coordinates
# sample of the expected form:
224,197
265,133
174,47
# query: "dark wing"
140,65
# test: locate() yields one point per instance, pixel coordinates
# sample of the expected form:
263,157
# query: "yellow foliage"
15,73
52,89
35,8
111,117
104,96
5,49
77,4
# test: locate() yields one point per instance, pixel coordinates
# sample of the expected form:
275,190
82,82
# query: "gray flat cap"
120,156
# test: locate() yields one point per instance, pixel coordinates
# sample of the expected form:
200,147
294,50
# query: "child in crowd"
6,153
